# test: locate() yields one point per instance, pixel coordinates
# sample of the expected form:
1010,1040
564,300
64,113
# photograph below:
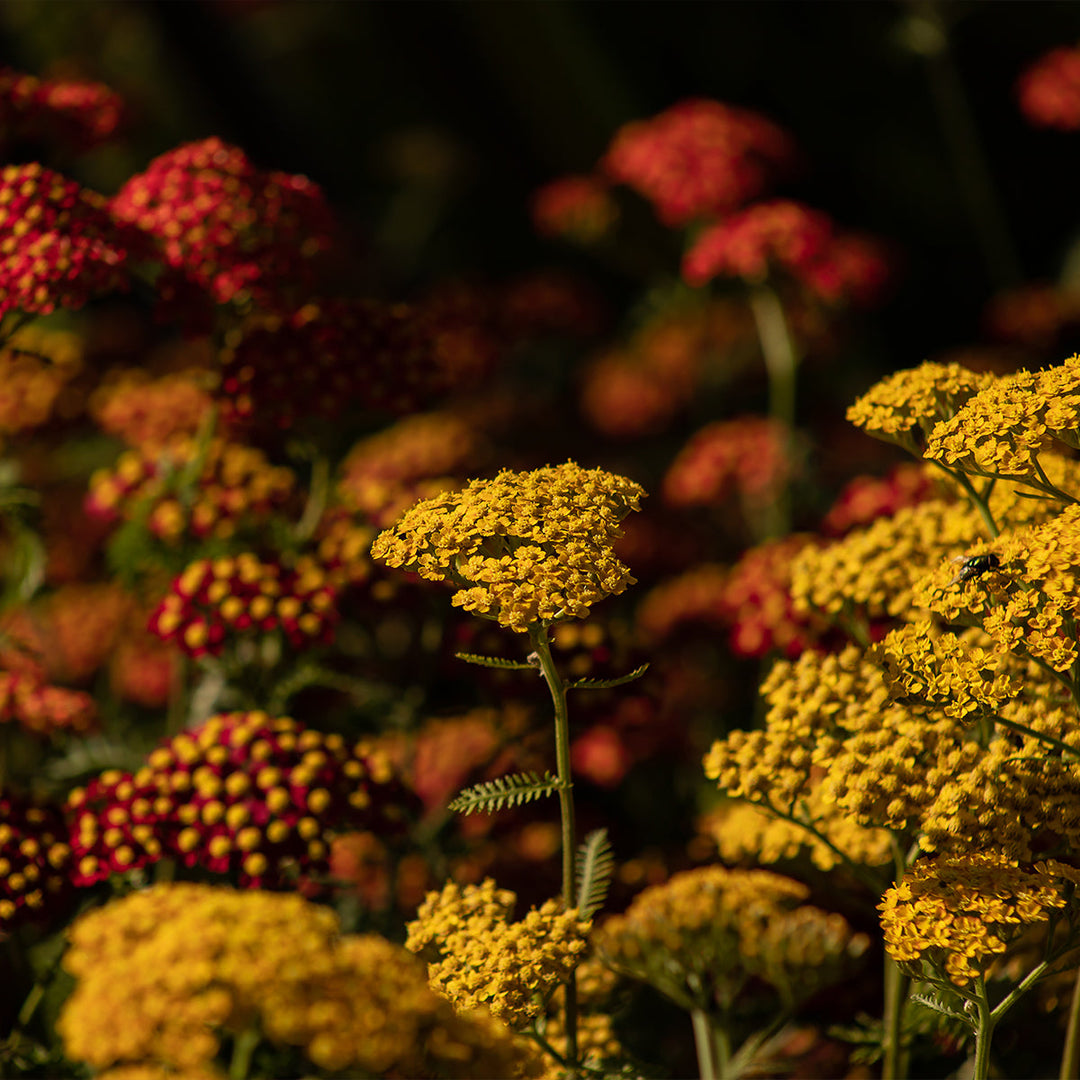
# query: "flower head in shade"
235,231
34,861
58,245
699,158
165,975
37,365
521,548
38,707
244,794
959,913
700,936
868,497
149,413
216,599
478,958
1049,90
74,112
578,208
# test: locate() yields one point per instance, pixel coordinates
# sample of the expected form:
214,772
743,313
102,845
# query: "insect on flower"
972,566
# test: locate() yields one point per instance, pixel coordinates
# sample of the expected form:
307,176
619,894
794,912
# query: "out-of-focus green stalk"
1070,1056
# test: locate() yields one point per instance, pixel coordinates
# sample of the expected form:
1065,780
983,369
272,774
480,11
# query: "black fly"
973,566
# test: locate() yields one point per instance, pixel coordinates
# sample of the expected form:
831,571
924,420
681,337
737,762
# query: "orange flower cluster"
235,484
75,112
1049,90
58,245
226,227
749,455
1032,316
215,597
698,158
26,699
244,794
34,858
802,243
78,625
30,385
696,596
866,498
578,208
150,413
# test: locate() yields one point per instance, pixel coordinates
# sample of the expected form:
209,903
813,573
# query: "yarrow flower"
1049,90
74,111
698,158
165,975
700,936
36,366
58,245
34,861
150,414
958,913
865,498
29,701
235,231
234,485
243,794
521,548
578,208
215,598
478,958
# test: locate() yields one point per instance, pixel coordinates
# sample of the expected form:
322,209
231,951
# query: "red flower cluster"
213,598
235,231
577,208
58,245
749,455
26,699
550,302
757,602
236,484
80,113
802,243
868,497
699,158
245,794
1049,90
696,596
34,858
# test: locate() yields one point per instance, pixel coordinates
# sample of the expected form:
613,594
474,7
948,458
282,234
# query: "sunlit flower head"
521,548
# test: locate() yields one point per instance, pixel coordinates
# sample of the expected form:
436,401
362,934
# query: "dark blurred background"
437,120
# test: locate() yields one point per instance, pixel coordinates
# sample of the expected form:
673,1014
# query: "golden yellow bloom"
904,407
479,959
957,913
164,973
700,937
522,548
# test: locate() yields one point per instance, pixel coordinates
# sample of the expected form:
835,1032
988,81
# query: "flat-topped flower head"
522,548
904,407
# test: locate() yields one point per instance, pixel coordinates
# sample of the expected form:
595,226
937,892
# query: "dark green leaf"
513,790
606,684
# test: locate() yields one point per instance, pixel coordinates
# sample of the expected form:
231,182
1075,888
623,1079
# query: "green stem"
984,1032
897,985
781,364
1070,1057
710,1067
1048,740
538,637
243,1048
316,503
977,499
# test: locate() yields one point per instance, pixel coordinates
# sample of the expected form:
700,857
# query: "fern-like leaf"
494,662
606,684
595,866
512,790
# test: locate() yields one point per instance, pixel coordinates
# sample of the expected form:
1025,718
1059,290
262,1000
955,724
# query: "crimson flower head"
236,232
34,858
699,158
578,208
75,112
1049,90
58,246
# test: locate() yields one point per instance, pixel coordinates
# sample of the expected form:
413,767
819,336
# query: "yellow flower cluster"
905,407
957,913
478,958
744,832
873,570
523,548
163,974
1028,603
1002,429
597,1040
700,938
925,666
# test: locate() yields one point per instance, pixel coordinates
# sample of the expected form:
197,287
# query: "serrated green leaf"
494,662
512,790
594,867
938,1007
606,684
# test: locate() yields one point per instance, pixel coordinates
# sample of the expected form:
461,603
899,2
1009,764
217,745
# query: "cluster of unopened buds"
234,482
245,793
214,598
